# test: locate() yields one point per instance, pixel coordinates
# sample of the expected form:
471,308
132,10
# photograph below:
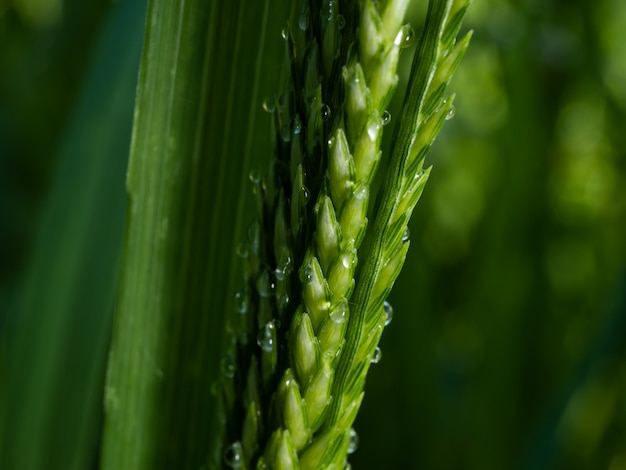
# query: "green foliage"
505,348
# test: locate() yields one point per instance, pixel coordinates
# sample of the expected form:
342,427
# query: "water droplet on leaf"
341,21
269,104
242,250
284,33
254,176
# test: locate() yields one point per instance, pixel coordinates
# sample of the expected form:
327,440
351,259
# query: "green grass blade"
198,97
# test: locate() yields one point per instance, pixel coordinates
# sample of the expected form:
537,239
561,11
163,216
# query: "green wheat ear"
309,319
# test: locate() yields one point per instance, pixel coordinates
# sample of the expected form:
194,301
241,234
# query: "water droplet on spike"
303,21
354,442
325,112
306,275
282,301
265,284
378,354
228,366
296,125
386,118
339,314
285,133
347,260
409,36
451,113
406,235
265,338
233,455
305,193
388,312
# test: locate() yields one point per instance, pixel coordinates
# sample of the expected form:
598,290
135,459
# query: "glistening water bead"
241,301
451,113
406,235
409,36
233,455
386,118
388,312
228,366
265,284
265,338
378,354
354,441
325,112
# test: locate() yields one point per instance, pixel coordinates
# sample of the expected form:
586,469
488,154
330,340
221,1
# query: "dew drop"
284,33
303,21
254,230
305,193
361,192
340,313
451,113
378,354
386,119
282,301
282,271
354,441
306,275
265,284
406,235
241,301
409,36
233,455
325,112
265,338
254,176
388,312
269,104
348,466
296,125
373,129
285,133
347,260
341,21
242,250
228,366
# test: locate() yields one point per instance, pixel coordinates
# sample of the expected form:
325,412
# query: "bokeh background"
508,344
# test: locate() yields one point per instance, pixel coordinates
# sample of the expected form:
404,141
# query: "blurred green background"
507,348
